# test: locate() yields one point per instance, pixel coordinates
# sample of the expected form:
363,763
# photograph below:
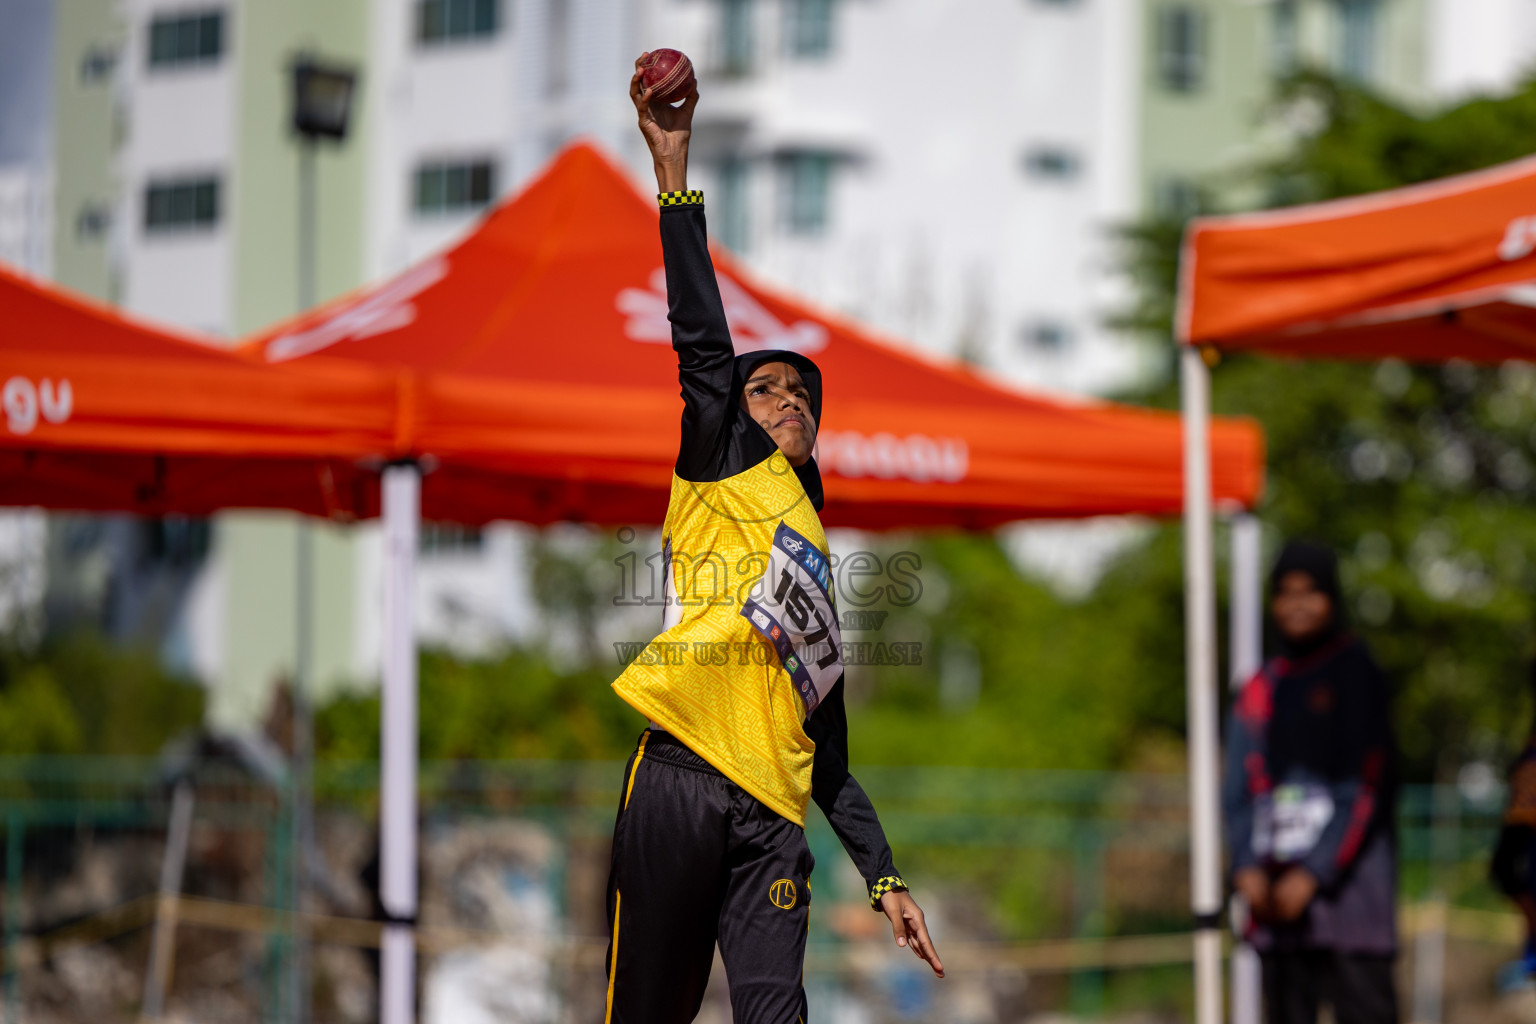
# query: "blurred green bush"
517,705
79,694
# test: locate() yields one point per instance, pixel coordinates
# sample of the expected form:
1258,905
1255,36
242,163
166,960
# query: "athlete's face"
777,398
1301,611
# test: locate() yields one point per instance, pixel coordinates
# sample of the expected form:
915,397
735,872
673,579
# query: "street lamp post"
322,105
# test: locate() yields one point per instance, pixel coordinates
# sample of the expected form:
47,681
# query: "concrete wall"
86,46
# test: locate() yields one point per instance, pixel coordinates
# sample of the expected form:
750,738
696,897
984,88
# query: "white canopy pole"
1200,667
1247,631
398,746
1247,598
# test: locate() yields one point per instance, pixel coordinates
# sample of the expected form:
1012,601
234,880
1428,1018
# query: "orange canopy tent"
535,372
1433,272
1443,270
103,412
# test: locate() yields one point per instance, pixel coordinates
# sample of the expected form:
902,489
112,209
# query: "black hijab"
810,373
1322,566
810,376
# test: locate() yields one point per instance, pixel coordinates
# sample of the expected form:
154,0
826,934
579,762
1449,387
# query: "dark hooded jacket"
1309,778
720,440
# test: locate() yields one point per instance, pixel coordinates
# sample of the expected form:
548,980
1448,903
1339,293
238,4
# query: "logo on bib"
782,894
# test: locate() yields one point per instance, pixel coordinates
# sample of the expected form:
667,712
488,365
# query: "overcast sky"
26,78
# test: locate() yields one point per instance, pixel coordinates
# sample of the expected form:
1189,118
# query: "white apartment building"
176,83
951,180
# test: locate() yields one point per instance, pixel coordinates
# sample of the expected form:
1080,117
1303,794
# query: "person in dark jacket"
1308,798
1513,868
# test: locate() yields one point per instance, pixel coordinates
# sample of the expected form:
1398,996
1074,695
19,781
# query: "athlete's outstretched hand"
908,927
666,129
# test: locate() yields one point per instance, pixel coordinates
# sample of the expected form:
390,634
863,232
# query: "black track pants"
695,861
1359,987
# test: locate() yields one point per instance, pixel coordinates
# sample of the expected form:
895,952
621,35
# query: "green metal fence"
1049,890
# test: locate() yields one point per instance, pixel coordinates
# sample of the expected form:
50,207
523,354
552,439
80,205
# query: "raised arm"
700,335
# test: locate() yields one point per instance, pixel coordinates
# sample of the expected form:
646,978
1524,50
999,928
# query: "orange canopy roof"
538,380
98,411
1430,272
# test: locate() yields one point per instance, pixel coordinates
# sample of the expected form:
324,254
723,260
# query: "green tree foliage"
1420,476
80,694
514,706
1353,142
1046,691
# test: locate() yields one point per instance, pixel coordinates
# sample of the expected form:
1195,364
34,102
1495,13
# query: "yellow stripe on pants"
613,965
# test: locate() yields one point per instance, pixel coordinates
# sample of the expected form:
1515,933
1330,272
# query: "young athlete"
743,687
1309,807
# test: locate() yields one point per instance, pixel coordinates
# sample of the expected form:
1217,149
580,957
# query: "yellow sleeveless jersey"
750,635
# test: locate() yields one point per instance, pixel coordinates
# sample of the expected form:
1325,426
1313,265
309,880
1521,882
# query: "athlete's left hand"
908,927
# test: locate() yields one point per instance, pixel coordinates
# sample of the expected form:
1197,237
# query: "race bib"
1288,822
792,607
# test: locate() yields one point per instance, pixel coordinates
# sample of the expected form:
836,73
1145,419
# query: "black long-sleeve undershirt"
720,440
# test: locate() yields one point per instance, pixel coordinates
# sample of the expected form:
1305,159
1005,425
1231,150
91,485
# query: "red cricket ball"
668,74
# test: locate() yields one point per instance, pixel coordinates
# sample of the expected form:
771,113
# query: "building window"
174,542
1287,37
806,185
1047,335
1176,199
1181,44
445,21
93,222
735,204
808,27
557,48
176,40
97,65
454,187
450,539
184,204
1357,38
1052,163
737,40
